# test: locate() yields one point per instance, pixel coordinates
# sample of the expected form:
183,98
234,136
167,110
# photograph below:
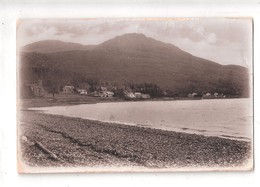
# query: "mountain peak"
133,35
140,42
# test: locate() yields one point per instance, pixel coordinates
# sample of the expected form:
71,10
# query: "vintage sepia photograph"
134,95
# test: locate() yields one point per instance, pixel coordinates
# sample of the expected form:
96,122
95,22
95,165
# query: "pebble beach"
46,140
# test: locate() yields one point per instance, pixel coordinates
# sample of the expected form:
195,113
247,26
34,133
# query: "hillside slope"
50,46
135,58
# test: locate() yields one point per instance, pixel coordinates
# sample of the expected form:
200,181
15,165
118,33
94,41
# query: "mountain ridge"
135,58
50,46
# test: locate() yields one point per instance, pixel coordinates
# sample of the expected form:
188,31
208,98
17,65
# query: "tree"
93,83
227,85
53,87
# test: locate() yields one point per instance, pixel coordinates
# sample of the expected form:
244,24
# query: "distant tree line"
55,79
228,88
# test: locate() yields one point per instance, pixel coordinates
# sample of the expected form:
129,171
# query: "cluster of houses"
104,93
101,94
136,95
207,95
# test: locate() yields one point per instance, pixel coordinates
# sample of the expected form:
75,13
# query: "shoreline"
243,139
117,145
191,130
47,102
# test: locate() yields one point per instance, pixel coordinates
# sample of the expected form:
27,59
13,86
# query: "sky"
223,40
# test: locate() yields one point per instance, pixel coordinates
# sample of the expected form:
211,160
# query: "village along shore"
62,99
36,94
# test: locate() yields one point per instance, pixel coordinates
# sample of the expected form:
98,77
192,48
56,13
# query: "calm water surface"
228,118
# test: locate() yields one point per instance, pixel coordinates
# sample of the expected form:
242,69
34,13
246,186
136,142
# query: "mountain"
135,58
50,46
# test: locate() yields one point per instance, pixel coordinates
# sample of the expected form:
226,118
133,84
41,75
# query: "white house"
194,94
109,94
138,95
106,94
82,91
130,95
146,96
